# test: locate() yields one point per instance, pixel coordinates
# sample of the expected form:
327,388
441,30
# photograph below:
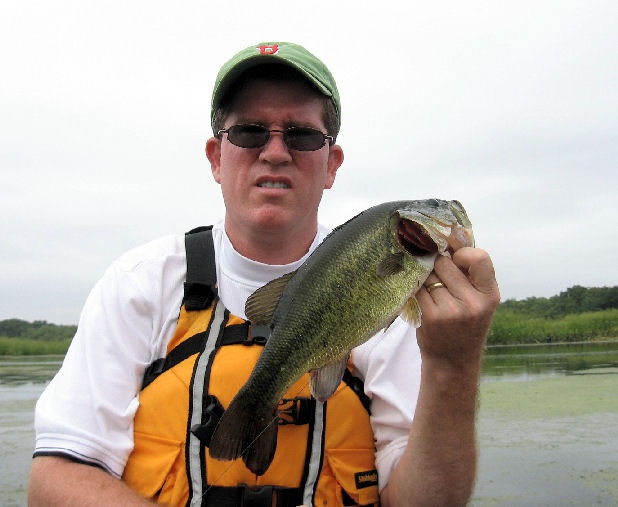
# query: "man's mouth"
273,184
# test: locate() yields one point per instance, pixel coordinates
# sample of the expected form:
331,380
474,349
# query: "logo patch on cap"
269,50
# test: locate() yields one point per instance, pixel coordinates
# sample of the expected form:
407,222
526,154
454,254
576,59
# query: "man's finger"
479,268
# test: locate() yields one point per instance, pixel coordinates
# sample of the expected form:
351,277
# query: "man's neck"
271,247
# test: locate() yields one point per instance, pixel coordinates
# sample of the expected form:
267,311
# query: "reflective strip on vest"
316,454
194,459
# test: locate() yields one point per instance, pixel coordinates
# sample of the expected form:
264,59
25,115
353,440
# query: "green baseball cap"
285,53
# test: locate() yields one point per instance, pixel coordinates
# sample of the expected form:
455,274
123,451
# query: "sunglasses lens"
303,139
256,136
248,136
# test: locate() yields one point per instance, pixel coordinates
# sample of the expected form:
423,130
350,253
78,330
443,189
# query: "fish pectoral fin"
411,312
261,305
391,265
324,381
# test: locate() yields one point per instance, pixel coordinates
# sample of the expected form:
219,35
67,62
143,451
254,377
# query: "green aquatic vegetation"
603,481
552,397
28,347
548,438
511,327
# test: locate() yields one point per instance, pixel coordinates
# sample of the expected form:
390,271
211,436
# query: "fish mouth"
433,226
415,239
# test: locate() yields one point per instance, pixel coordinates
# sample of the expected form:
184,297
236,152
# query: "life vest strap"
266,496
296,411
201,279
358,386
245,333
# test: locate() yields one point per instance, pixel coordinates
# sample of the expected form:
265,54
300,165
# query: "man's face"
273,188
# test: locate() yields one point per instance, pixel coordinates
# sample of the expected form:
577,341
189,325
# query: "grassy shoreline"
30,347
515,328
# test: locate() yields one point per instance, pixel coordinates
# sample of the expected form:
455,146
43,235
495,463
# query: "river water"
546,426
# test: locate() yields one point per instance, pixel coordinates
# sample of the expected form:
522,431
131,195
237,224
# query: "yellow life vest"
325,451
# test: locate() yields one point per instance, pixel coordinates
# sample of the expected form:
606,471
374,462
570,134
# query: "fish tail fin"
250,433
261,450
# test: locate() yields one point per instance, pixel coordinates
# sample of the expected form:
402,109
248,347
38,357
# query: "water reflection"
527,362
21,370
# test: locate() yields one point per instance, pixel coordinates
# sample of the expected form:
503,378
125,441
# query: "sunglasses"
295,138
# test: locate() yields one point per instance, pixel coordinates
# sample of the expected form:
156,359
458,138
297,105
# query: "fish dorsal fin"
411,312
323,382
261,305
391,265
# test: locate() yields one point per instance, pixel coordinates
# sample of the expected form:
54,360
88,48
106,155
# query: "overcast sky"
508,106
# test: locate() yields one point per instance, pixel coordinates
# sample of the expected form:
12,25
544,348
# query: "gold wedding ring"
433,286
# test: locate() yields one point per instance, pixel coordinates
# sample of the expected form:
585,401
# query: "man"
276,115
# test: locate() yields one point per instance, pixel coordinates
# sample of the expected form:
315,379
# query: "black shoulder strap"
358,386
201,270
199,292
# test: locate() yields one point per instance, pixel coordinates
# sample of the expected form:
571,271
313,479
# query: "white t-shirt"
87,410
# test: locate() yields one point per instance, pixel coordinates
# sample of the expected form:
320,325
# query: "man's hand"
456,317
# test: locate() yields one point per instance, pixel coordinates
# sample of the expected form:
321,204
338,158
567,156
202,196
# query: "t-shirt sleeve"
86,412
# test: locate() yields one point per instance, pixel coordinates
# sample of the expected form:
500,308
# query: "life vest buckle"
153,371
257,335
295,411
198,296
213,410
257,497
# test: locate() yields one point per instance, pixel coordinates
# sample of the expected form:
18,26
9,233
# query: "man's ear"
213,153
335,159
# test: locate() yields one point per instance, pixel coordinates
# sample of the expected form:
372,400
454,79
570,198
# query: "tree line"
576,314
574,300
39,330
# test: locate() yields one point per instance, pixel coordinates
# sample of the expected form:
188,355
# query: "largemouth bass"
362,276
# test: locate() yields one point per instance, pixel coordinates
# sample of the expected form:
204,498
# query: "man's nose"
275,150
